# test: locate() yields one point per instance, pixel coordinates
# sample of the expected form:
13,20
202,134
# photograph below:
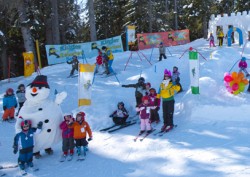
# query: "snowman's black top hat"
40,81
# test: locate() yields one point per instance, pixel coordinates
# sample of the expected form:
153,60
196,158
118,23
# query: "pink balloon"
226,84
228,78
235,87
226,74
229,89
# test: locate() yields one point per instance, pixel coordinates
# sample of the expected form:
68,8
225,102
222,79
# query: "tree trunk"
150,15
4,62
55,22
27,37
92,20
204,24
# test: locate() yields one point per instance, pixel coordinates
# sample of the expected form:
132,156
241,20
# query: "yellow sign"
29,66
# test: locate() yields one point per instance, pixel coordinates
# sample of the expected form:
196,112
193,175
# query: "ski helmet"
10,90
141,80
120,103
67,114
82,114
25,123
144,98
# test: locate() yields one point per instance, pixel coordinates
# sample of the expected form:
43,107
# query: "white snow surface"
211,139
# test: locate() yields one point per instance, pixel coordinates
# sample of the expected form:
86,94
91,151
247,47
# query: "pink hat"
167,72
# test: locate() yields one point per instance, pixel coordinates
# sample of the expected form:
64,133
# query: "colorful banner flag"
62,53
130,36
29,66
194,71
86,75
170,38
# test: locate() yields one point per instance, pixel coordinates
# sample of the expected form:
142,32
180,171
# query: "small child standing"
144,109
243,66
68,139
20,93
120,115
162,51
74,62
148,86
81,128
24,141
9,105
153,100
211,40
99,61
176,78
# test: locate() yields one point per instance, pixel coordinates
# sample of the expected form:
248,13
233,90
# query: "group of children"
10,102
74,134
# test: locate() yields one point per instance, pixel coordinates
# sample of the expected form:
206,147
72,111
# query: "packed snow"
211,139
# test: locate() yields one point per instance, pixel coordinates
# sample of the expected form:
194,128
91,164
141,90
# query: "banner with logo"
29,66
62,53
130,36
85,78
170,38
194,71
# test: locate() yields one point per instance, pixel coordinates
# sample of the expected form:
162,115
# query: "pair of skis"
161,133
114,128
143,135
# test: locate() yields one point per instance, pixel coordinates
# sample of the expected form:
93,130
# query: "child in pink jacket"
144,109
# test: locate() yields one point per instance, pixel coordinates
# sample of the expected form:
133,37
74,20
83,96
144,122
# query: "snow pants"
168,112
68,144
9,113
25,158
145,125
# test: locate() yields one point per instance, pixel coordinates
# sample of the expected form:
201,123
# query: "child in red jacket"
99,61
68,139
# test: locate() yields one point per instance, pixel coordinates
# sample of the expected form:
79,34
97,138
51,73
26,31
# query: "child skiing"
74,62
140,89
120,115
20,93
144,109
108,55
81,128
243,66
68,139
176,78
153,100
9,105
166,92
162,51
99,61
211,40
24,141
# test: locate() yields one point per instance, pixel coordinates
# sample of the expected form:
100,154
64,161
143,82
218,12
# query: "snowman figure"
38,107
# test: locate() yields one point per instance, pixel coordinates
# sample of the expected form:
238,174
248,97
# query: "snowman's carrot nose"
34,89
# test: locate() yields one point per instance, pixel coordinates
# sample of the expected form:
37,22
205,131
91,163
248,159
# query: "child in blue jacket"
24,141
9,105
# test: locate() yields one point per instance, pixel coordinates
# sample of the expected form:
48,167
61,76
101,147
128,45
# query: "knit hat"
167,73
145,98
243,59
9,90
40,81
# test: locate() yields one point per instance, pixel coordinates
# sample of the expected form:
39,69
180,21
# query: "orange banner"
170,38
29,66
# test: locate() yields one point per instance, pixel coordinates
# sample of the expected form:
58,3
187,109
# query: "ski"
139,134
122,126
3,174
6,167
105,129
167,130
147,134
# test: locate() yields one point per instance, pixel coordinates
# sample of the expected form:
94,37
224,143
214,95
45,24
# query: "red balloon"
235,87
228,78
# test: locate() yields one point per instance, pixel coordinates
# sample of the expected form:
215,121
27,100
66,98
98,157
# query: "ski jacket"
153,100
80,129
166,92
211,38
66,131
9,101
74,63
99,60
140,89
109,54
145,110
243,64
175,76
21,96
162,49
25,140
122,113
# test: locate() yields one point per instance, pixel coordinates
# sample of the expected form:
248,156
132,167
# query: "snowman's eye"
39,88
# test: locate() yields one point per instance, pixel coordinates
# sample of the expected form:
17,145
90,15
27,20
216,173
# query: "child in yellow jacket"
81,128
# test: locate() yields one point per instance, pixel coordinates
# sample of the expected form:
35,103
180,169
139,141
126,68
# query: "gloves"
157,108
40,125
89,139
111,115
15,105
123,85
4,108
15,149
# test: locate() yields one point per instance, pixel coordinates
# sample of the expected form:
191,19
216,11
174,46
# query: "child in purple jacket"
144,109
68,140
